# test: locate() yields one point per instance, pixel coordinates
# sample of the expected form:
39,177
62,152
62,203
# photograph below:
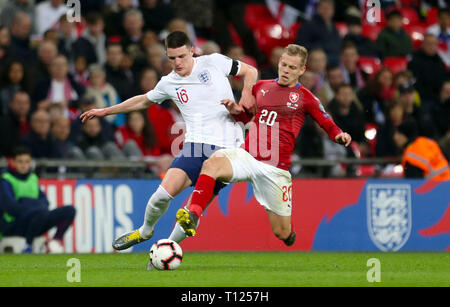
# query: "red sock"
202,194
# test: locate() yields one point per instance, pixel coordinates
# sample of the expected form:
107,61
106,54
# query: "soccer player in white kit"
196,85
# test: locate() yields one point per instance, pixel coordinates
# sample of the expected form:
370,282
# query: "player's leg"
174,182
282,227
217,167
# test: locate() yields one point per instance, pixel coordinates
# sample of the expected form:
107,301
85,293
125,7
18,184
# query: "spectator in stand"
14,77
347,113
364,45
25,208
334,78
118,77
136,138
48,14
411,111
67,36
442,31
197,13
156,13
385,145
104,93
87,103
441,110
224,12
79,71
47,52
40,140
5,44
114,18
133,23
94,145
60,129
271,71
14,6
375,95
210,47
92,43
403,77
309,81
321,32
20,37
429,71
317,64
156,55
353,75
60,88
393,40
15,124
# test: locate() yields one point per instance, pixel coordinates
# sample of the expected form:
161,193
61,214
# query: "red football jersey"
280,114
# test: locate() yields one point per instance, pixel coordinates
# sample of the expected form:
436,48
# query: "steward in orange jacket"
422,157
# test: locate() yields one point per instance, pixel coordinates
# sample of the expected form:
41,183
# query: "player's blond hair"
297,50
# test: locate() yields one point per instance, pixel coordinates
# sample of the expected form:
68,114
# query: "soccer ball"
166,255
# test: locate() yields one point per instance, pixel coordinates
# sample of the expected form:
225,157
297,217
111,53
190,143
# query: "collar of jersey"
297,85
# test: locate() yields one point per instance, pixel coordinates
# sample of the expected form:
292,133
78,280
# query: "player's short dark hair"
20,150
177,39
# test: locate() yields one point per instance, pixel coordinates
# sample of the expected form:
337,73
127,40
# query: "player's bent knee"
211,165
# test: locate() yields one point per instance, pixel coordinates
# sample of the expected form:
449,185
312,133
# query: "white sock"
156,207
178,234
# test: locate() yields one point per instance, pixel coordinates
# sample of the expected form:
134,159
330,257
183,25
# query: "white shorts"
272,186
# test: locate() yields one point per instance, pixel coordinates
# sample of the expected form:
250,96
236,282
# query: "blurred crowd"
371,76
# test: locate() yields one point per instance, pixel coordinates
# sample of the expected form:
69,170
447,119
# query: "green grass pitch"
230,269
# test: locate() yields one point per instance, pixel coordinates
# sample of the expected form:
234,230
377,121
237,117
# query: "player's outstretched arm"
132,104
250,75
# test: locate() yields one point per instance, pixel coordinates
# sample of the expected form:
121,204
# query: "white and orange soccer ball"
166,255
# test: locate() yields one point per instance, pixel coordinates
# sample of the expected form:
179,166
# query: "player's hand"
344,139
248,102
232,106
92,113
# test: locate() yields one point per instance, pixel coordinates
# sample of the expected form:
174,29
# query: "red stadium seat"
370,65
432,16
410,16
257,15
371,31
417,33
396,64
234,35
271,35
342,28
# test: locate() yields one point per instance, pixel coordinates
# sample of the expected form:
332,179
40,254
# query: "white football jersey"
198,97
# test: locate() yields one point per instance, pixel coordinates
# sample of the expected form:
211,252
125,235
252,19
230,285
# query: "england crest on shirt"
389,215
205,77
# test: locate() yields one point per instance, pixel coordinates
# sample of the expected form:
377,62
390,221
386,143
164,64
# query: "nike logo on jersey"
177,88
197,191
264,92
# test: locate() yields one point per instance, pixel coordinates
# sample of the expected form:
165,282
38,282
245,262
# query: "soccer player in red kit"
264,160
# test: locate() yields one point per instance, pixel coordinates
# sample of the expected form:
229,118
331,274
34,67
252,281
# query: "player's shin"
202,194
156,207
